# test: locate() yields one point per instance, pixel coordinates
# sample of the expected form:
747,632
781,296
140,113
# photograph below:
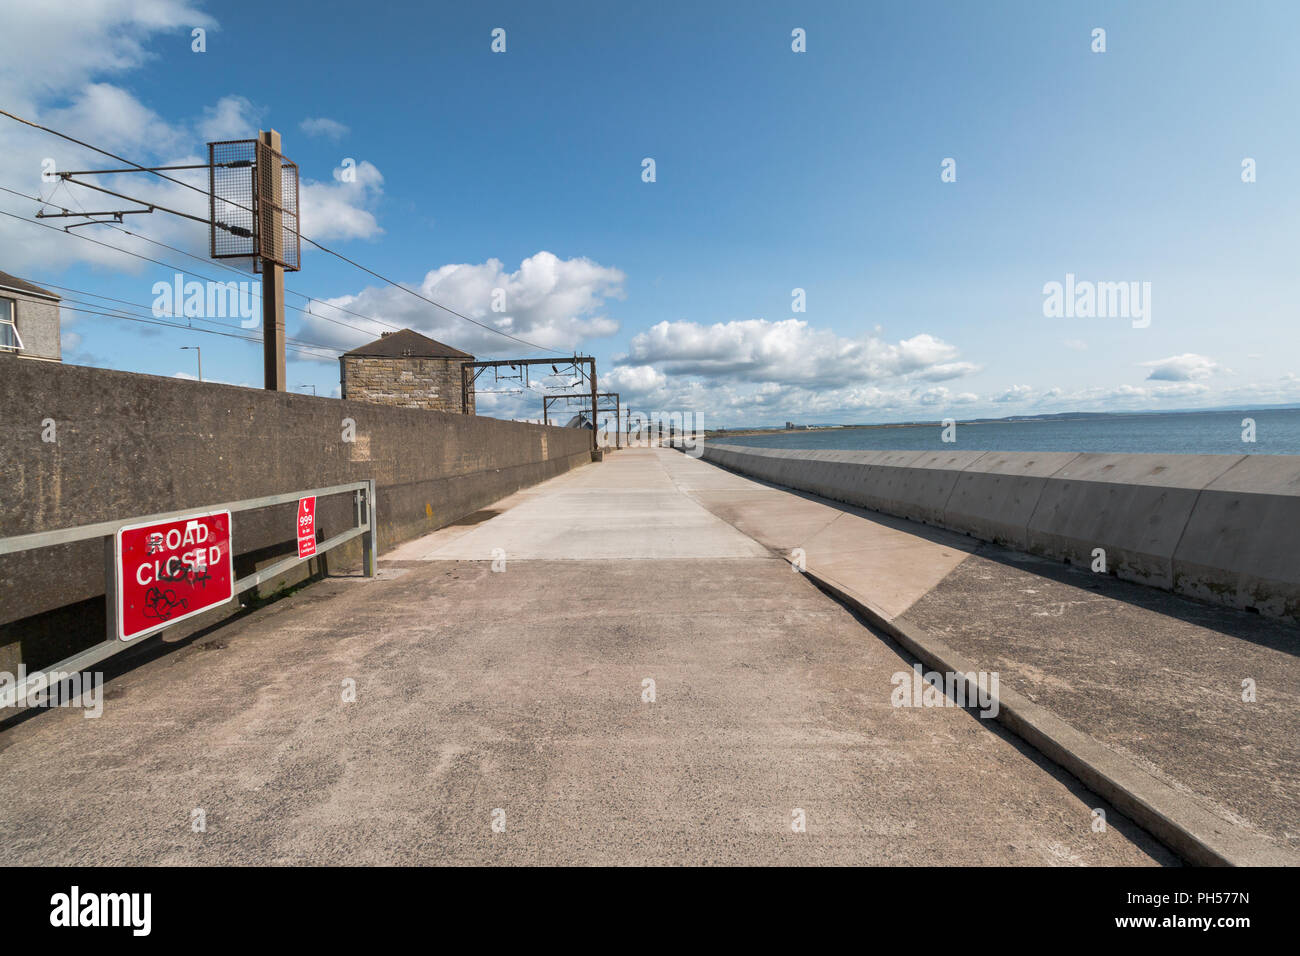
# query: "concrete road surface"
639,683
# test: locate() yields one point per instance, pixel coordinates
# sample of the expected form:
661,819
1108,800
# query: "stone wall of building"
37,320
428,383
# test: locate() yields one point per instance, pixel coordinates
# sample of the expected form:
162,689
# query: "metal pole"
270,220
370,540
110,586
199,350
618,422
592,363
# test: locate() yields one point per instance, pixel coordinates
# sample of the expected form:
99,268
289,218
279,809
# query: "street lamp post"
198,350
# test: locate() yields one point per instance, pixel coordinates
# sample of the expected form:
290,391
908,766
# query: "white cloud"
50,50
1016,393
111,117
791,351
634,379
233,117
1181,368
338,209
324,126
556,303
1078,345
755,370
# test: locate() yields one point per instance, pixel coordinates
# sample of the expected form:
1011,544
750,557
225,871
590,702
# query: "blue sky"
775,171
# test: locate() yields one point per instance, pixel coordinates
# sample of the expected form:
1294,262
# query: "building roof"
15,284
407,344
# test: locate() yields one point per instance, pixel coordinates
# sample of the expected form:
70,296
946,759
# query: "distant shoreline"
740,433
1013,420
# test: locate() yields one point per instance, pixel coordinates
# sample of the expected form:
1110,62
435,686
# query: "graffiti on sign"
170,570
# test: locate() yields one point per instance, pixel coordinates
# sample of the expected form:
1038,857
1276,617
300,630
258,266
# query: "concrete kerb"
1193,833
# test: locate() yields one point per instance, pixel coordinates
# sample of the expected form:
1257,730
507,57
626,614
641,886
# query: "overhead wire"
156,172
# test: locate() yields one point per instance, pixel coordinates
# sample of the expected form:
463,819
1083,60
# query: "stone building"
405,369
29,320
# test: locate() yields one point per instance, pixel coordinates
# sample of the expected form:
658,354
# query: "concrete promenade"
519,695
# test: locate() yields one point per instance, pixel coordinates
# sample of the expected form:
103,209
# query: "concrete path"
523,697
625,510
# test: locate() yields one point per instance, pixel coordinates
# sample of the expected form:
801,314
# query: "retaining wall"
128,445
1222,528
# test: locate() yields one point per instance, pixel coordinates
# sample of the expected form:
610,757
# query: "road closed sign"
171,570
307,526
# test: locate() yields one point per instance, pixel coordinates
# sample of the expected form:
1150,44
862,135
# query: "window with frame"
9,337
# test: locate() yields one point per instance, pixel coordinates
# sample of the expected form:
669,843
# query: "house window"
10,340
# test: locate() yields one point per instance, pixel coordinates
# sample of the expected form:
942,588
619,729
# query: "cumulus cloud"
791,351
99,39
110,117
325,127
635,379
231,117
553,302
1016,393
712,370
341,209
1181,368
755,370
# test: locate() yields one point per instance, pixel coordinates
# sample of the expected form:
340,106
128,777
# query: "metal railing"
363,493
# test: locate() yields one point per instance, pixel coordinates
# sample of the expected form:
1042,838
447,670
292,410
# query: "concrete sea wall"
1221,528
126,445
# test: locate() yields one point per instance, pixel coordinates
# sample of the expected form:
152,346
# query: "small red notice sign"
170,570
306,526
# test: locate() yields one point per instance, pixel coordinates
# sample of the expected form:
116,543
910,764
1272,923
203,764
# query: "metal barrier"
363,509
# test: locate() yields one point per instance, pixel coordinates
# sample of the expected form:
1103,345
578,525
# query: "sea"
1276,432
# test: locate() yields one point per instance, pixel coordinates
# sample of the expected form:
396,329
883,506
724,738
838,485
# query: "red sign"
170,570
306,527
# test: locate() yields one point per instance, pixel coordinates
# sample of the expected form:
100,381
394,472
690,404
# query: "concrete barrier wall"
129,444
1222,528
